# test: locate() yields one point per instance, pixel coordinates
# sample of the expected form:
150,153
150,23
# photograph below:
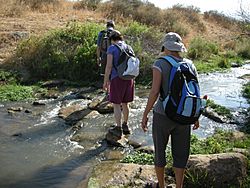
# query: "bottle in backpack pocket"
204,102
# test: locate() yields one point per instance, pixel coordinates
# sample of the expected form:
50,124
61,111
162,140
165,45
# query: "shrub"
223,20
200,48
15,92
87,4
243,48
117,8
221,110
67,53
8,77
38,4
191,15
148,14
11,8
246,91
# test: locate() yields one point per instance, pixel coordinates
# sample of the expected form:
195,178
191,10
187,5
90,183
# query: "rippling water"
42,155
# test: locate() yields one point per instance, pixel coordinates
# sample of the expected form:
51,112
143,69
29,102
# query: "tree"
244,12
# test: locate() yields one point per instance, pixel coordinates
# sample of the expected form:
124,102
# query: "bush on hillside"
10,8
171,23
38,4
146,42
191,15
87,4
200,48
243,48
65,53
148,14
219,18
120,9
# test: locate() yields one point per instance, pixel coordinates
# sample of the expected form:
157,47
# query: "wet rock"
146,149
115,140
20,35
88,137
134,143
210,113
245,152
246,77
54,83
237,135
113,155
110,174
235,64
77,126
96,101
38,103
105,107
74,113
219,170
67,111
15,109
92,114
85,93
17,135
28,111
51,94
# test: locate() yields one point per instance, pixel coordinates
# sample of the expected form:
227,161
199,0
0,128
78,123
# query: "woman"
162,126
121,92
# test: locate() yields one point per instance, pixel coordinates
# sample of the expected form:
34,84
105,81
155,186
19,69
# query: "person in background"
103,42
162,126
121,92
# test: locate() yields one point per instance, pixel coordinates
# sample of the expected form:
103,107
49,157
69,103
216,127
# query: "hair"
116,37
110,23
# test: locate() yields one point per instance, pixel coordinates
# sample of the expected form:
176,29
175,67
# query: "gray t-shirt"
164,67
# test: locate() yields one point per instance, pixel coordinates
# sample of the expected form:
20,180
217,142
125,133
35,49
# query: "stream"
37,151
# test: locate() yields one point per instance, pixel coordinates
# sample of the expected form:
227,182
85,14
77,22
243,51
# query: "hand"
106,86
196,125
144,123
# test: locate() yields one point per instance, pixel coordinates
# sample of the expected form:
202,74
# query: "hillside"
33,23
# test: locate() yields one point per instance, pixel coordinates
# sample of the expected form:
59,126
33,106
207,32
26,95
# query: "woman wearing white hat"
162,126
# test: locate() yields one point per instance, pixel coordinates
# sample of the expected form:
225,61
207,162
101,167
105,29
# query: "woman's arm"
108,71
154,93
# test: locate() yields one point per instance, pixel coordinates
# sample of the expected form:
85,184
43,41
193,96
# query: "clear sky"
228,7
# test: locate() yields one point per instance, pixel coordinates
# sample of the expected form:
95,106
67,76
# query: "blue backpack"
183,103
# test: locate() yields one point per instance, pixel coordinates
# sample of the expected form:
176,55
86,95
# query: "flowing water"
36,150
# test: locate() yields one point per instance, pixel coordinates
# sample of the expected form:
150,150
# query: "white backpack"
128,64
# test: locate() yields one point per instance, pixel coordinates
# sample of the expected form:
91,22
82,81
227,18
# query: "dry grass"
17,21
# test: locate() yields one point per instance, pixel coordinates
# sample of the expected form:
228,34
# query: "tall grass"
200,48
243,48
67,53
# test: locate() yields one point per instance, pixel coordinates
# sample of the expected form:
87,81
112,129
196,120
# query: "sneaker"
125,128
117,131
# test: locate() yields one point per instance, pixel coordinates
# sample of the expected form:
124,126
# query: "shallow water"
41,153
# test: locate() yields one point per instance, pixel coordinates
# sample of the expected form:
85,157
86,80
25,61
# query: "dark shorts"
121,91
163,127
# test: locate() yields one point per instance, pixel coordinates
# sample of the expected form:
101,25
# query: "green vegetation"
139,158
243,48
10,90
15,92
220,142
246,93
67,53
221,110
8,77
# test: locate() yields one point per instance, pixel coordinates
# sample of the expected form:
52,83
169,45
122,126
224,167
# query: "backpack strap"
174,64
171,60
